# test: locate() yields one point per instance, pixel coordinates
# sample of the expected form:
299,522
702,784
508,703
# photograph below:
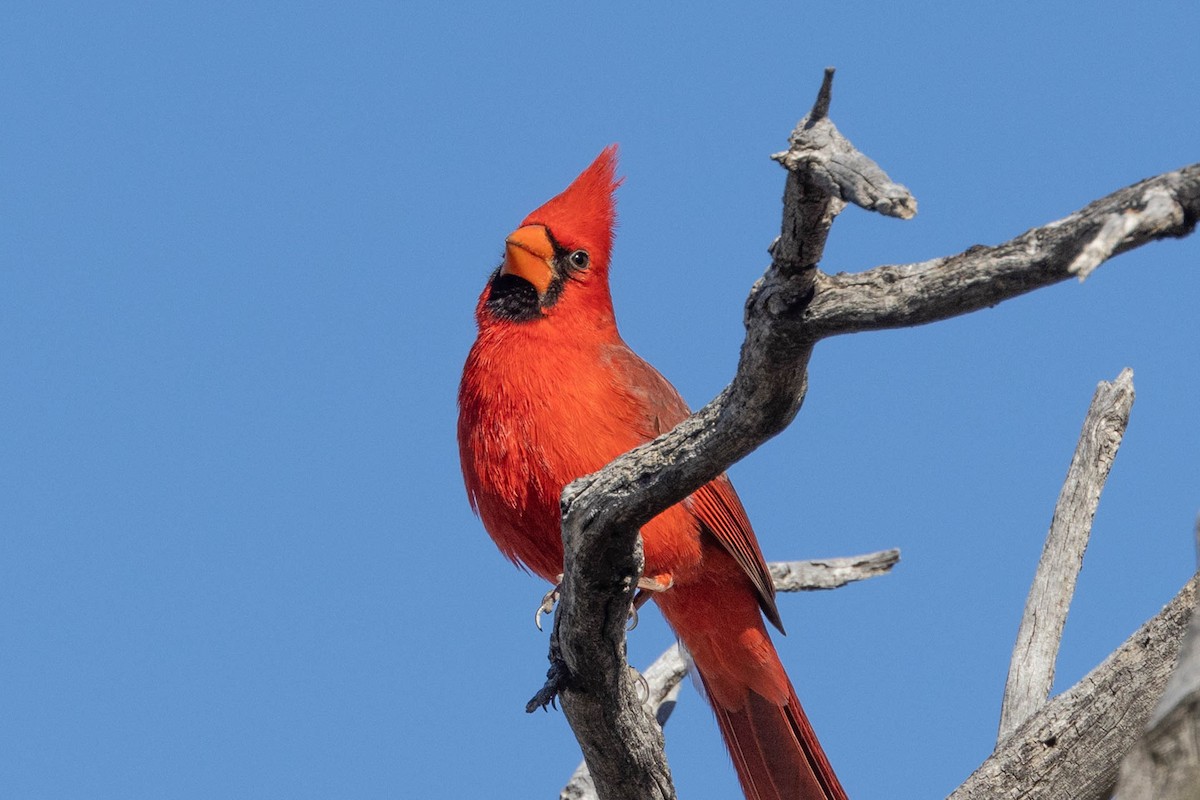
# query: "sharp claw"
547,607
647,585
643,686
646,588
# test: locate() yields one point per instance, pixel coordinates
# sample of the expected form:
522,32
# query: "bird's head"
558,258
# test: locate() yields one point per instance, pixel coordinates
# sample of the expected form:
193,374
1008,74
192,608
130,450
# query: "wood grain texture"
1165,762
1031,671
660,684
1071,748
831,573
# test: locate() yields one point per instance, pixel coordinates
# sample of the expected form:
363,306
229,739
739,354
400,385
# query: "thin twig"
831,573
1031,671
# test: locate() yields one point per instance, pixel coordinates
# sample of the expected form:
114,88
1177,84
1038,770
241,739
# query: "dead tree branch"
831,573
1031,672
661,681
1072,746
793,306
1165,762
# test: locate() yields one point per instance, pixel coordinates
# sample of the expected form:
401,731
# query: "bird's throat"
513,298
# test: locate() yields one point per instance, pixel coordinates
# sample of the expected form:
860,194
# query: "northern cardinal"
549,393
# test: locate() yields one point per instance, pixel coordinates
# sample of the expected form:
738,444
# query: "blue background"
240,247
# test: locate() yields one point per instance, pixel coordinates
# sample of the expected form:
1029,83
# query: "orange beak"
529,254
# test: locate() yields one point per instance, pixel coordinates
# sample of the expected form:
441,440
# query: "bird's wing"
716,504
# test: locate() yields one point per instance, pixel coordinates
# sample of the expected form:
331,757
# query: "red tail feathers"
770,740
776,751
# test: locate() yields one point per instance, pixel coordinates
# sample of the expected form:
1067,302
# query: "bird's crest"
584,214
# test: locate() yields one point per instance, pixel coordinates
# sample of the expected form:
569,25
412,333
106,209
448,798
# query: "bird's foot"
646,587
656,583
558,677
549,601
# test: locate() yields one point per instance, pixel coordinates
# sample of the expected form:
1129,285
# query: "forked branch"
793,306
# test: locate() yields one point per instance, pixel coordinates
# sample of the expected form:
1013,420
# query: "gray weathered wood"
831,573
790,308
1071,748
660,683
1165,762
1158,210
1031,671
621,743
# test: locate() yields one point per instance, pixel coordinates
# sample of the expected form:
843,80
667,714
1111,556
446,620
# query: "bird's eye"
579,259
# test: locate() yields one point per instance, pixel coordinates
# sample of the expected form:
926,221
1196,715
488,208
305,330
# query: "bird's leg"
548,602
646,587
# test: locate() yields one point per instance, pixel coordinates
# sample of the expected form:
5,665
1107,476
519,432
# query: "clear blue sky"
240,245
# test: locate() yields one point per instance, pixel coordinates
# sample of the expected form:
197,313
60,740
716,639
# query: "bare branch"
1031,672
1071,748
914,294
790,308
1165,763
831,573
1160,212
621,743
818,150
661,682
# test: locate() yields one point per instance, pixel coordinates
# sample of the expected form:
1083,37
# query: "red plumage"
550,392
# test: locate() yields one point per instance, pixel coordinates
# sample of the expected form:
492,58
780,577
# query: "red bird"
549,393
